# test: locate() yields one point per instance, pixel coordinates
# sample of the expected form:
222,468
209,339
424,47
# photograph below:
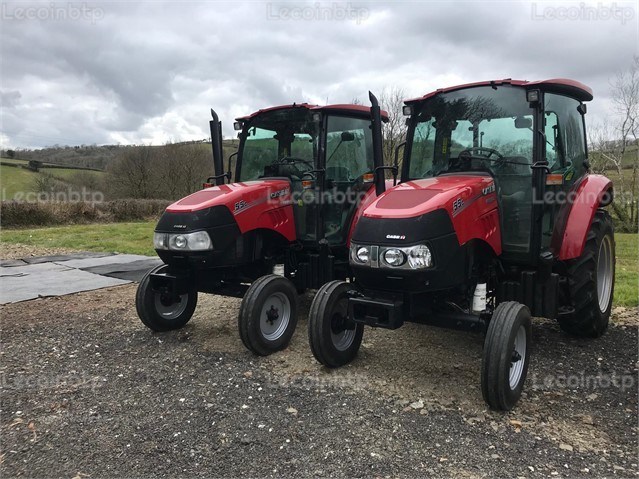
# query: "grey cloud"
9,99
152,70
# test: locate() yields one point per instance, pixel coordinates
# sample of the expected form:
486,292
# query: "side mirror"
521,123
347,136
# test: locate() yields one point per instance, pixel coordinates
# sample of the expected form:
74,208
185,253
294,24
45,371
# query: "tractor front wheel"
334,338
506,355
268,315
591,279
160,311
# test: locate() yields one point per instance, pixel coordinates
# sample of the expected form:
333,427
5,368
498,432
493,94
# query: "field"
19,180
15,180
137,238
627,272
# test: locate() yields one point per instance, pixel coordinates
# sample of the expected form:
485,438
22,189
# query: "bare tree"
614,146
131,174
394,131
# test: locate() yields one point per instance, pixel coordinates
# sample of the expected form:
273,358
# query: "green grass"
627,270
135,238
14,161
15,180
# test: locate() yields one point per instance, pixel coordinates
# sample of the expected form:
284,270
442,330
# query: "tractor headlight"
361,254
160,241
419,257
197,241
178,242
394,257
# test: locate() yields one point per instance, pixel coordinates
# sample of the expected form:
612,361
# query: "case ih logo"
277,194
179,227
397,237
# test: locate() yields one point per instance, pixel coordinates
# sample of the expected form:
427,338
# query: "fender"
576,214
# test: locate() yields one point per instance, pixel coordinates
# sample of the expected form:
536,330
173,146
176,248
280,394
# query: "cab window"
349,148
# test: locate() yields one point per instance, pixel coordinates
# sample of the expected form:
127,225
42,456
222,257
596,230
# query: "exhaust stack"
378,155
216,146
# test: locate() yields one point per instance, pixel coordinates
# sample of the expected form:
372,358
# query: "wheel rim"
604,273
275,316
341,337
518,358
169,309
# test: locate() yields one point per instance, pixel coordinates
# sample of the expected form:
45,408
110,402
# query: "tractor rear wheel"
159,311
591,279
268,315
334,338
506,355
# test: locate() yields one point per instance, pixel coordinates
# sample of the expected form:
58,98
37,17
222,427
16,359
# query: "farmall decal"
489,189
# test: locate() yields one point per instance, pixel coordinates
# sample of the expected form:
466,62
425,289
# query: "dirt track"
87,391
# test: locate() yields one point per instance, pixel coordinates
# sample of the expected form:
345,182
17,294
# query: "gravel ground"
88,392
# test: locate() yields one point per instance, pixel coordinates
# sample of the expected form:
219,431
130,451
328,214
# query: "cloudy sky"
148,72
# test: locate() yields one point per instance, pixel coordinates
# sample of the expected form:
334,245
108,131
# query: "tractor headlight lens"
197,241
394,257
363,254
178,242
419,257
160,241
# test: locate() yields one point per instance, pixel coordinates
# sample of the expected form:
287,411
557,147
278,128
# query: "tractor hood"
237,197
246,205
452,193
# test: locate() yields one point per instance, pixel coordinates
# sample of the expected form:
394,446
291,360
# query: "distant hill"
93,156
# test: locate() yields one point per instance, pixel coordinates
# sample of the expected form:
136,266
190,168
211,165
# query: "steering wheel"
293,160
468,153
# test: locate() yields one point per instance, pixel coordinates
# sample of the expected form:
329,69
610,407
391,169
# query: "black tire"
268,315
588,287
500,385
334,339
155,310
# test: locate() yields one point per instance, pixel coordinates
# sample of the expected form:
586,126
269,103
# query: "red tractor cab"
302,175
496,219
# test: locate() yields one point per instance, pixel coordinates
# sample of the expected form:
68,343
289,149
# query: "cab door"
565,153
348,158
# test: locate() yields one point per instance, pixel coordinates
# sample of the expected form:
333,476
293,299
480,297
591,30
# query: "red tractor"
303,174
496,219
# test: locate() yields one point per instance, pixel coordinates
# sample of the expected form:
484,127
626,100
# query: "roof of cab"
359,110
562,86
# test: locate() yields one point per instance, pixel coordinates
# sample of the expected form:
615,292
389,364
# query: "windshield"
276,139
483,128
